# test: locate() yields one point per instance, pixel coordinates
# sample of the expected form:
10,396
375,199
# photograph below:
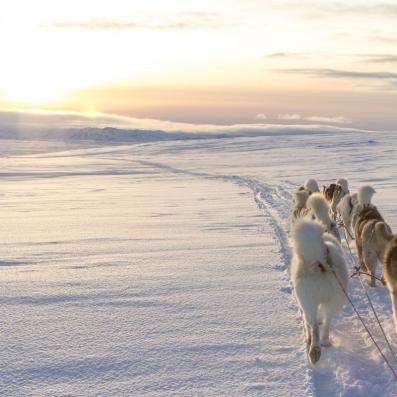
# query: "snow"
161,268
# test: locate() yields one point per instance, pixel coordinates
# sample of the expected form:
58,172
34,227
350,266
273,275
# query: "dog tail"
365,194
320,208
342,182
390,261
308,241
300,198
383,229
311,185
391,251
354,199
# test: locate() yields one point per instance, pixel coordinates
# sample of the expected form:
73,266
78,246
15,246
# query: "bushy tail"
300,198
320,208
365,194
342,182
354,199
308,241
383,229
311,185
390,261
391,253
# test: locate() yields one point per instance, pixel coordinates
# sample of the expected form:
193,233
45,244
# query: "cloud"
278,55
287,55
390,78
50,125
289,117
316,119
311,9
335,119
261,116
341,73
182,21
379,58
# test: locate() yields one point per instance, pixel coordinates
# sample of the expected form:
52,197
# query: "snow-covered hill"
161,268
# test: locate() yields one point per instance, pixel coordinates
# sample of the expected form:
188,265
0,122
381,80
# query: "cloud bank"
70,125
181,21
316,119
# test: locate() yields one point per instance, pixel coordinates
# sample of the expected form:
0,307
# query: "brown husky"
372,235
390,273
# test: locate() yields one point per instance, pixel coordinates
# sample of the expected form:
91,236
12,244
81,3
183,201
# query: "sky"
208,62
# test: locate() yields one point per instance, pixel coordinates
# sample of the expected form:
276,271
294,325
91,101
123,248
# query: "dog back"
390,261
329,191
367,214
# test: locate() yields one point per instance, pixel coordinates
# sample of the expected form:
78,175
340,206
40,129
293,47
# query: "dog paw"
314,354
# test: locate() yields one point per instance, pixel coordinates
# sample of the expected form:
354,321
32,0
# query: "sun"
33,92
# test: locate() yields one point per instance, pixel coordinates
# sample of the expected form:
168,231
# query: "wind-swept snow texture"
161,269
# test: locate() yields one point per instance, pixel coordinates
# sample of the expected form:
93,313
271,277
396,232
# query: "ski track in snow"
352,367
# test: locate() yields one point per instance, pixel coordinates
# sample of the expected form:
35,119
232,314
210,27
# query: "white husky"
300,210
311,186
342,182
318,271
320,211
345,210
364,200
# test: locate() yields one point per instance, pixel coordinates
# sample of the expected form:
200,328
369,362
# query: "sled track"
275,202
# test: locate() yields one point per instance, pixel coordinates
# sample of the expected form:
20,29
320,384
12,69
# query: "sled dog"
371,231
390,273
334,194
311,186
320,211
345,210
300,209
364,200
318,271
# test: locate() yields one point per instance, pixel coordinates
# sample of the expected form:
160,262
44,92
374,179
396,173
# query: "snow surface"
161,268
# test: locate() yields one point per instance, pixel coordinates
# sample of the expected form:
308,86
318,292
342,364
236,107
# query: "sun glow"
33,92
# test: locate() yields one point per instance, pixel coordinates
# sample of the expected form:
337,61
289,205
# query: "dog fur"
329,191
390,273
300,210
364,199
345,210
311,186
320,210
318,270
342,182
341,190
372,233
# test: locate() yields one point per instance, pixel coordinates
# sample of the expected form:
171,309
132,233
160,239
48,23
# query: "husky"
341,185
311,186
344,210
341,190
371,231
300,210
342,182
364,200
390,273
320,211
329,191
319,277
